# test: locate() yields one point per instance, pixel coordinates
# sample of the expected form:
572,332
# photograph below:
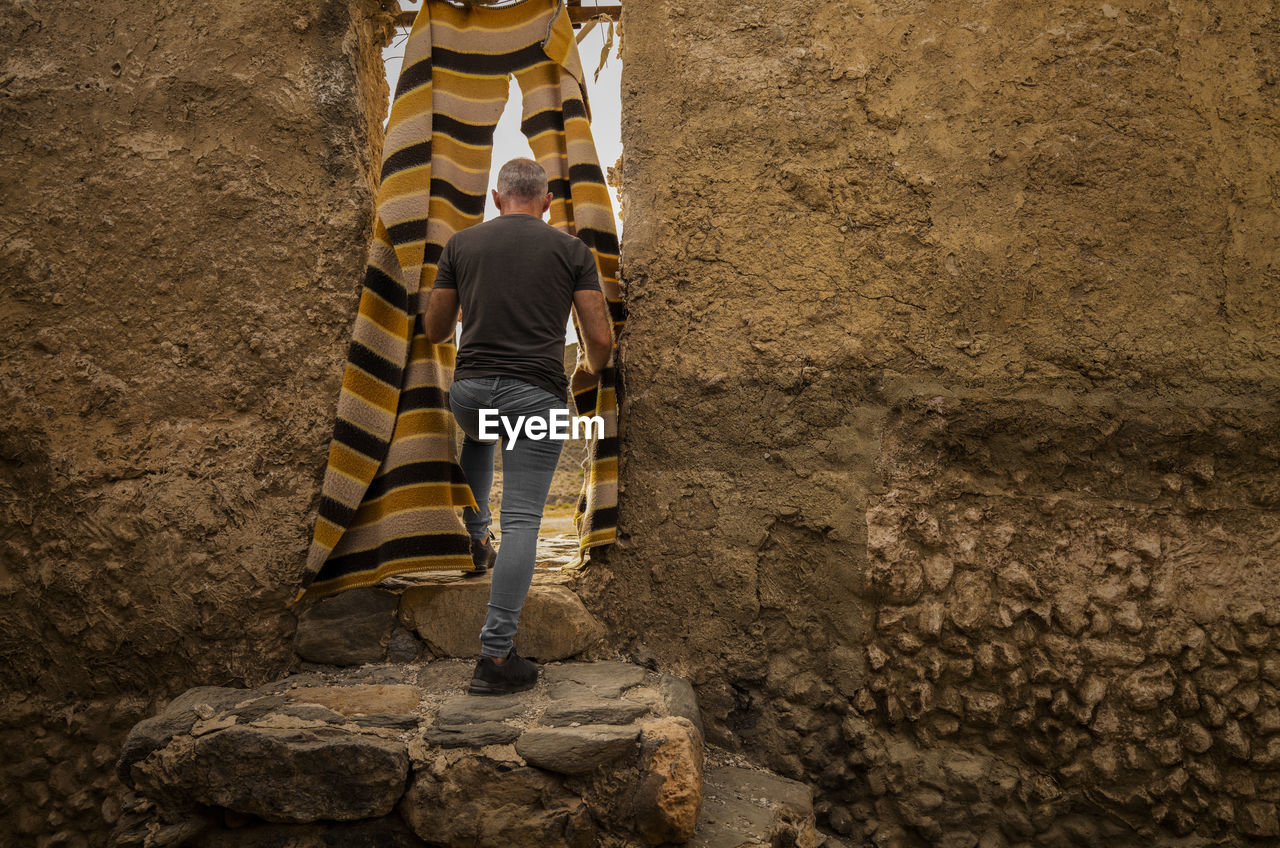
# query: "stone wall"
950,446
187,193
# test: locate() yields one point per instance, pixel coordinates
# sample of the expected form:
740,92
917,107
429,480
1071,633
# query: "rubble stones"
483,802
575,750
682,701
448,615
608,679
742,808
1258,818
256,767
347,629
1107,680
464,709
592,710
472,735
299,775
385,832
669,797
395,699
177,718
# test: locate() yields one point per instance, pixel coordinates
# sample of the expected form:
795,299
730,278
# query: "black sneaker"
482,556
515,675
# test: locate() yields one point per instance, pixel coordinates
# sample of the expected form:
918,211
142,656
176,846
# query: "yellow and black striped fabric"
392,485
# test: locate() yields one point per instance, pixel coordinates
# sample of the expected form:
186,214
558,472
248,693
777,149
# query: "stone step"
750,808
439,615
603,754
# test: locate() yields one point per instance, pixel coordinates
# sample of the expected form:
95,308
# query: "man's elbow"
440,334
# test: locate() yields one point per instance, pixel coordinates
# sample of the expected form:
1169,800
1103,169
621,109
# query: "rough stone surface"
186,196
1004,484
350,628
592,710
386,832
465,709
669,797
278,764
575,750
370,699
680,699
472,735
609,679
286,774
744,808
178,717
403,646
453,804
448,615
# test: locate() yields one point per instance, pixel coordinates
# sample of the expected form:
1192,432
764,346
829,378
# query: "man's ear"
546,202
497,199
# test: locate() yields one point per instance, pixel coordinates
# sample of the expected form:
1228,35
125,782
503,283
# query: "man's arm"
442,314
596,327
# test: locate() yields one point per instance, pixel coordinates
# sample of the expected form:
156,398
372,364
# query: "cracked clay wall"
950,465
187,190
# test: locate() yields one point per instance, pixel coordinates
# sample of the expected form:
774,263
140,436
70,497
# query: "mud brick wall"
186,190
950,464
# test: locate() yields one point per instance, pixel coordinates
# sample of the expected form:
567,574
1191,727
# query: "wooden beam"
578,15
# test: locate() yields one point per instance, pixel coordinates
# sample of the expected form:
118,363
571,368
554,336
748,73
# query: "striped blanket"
392,484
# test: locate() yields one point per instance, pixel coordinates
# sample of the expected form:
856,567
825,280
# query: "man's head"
522,187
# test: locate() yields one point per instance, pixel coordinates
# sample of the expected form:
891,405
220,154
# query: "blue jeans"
527,469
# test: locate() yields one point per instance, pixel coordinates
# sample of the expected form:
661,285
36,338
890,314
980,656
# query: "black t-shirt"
515,276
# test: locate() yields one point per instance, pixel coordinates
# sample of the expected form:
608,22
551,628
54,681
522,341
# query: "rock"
139,832
983,708
489,804
592,710
1266,755
554,625
1234,741
1016,579
1148,687
607,679
349,628
1216,681
970,601
1069,611
394,699
742,808
900,581
386,832
386,721
937,572
1258,818
681,700
178,717
575,750
471,709
472,735
1270,669
298,775
312,712
403,646
1108,653
669,797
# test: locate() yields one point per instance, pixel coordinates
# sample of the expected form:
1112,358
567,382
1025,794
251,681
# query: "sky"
508,141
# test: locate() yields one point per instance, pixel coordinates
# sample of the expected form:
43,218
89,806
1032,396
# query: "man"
516,279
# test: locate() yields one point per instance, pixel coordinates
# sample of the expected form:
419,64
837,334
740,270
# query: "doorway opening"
596,29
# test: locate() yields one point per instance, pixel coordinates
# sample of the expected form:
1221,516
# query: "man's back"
515,276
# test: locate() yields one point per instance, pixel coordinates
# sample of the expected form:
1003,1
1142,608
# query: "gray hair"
522,179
